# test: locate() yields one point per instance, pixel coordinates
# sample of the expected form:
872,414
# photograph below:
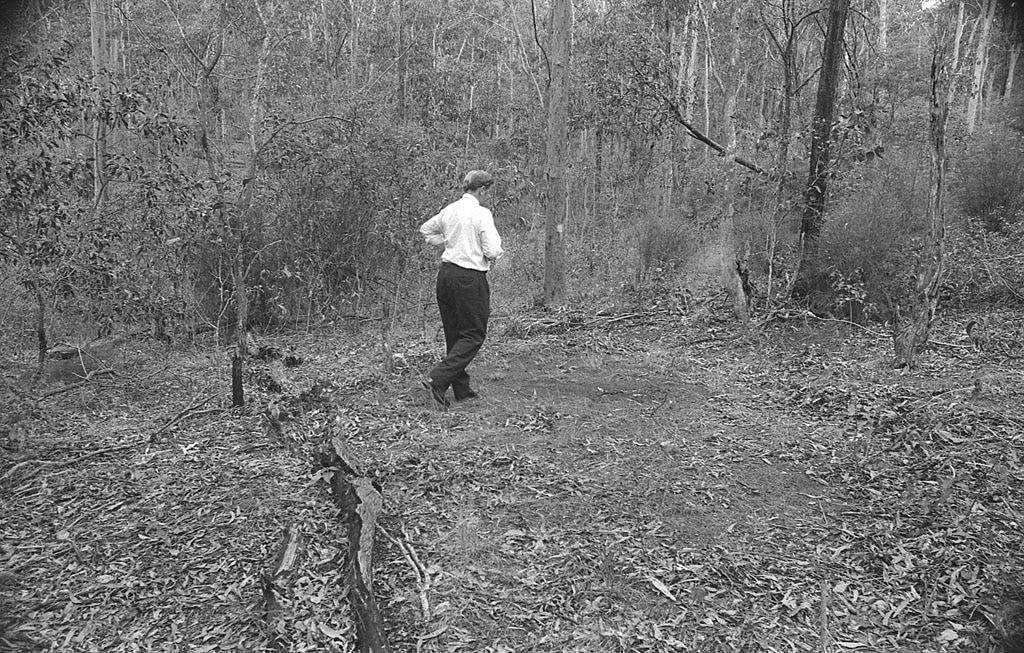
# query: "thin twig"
835,319
949,344
187,412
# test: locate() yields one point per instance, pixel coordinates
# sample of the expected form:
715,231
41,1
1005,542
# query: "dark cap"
477,179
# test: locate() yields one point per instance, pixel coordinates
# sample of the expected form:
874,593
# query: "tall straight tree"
816,194
98,41
976,97
556,206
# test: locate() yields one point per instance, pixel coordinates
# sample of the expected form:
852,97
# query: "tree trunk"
911,331
98,28
43,346
786,44
691,75
883,30
557,146
239,222
209,136
403,62
732,97
707,92
954,64
1011,70
353,37
974,100
788,55
815,197
734,279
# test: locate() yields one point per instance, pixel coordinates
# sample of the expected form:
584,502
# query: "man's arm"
490,241
432,231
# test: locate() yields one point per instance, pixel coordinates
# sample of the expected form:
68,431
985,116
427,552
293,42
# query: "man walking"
471,244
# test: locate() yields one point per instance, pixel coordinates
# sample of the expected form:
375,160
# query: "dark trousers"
464,300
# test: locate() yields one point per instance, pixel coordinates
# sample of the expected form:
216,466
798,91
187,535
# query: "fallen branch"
361,502
422,639
952,345
62,463
287,559
835,319
421,573
701,341
86,380
191,411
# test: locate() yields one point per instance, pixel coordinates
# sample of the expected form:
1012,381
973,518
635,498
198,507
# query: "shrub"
984,267
992,181
862,259
664,244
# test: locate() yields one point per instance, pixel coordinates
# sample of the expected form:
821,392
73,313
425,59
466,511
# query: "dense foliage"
357,120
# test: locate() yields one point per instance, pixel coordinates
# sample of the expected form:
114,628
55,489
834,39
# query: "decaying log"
361,502
287,560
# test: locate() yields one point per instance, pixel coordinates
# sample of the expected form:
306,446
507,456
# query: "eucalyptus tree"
912,328
815,195
560,38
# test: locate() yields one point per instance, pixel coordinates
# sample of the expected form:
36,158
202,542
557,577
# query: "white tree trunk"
1011,70
883,30
98,25
974,100
557,145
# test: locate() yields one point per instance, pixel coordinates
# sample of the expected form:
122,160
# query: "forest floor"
632,482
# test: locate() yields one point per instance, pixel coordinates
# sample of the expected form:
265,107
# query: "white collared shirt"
467,232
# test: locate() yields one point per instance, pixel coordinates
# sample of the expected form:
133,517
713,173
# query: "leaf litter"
617,489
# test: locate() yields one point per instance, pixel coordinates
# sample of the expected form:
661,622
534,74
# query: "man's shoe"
436,394
469,396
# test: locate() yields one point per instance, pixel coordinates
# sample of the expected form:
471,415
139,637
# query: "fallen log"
361,502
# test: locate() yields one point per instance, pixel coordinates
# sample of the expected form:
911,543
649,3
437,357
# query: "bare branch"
181,31
700,136
295,123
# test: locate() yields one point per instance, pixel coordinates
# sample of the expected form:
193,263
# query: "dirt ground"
627,483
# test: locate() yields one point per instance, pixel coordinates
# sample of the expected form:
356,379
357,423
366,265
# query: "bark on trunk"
974,101
911,330
43,346
97,25
733,268
98,29
1011,70
239,220
275,590
954,64
557,144
361,502
815,197
883,30
788,55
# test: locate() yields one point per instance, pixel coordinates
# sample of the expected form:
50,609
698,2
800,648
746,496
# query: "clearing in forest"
627,483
